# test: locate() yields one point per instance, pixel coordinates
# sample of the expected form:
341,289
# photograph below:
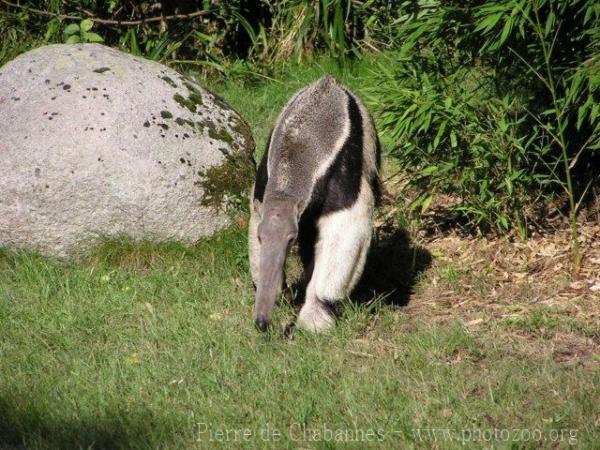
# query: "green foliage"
456,137
223,32
80,33
214,35
18,34
339,27
494,102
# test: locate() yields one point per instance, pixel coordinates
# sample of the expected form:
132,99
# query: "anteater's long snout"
272,260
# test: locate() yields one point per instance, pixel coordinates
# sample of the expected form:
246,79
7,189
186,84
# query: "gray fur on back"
309,133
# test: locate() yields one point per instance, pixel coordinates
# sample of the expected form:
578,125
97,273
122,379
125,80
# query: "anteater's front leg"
340,254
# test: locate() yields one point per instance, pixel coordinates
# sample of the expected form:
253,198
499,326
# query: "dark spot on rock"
106,96
49,117
53,98
189,103
146,124
169,81
66,86
101,113
87,89
16,99
47,81
185,135
220,135
29,70
55,114
47,186
84,96
102,69
37,171
94,89
224,151
176,135
135,136
166,114
182,161
60,84
164,126
189,163
100,159
181,122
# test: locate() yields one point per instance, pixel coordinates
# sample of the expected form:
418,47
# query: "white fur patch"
340,255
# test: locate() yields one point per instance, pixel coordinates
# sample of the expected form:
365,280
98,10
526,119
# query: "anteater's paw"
315,317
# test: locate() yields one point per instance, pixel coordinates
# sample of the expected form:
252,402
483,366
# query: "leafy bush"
200,30
495,102
341,28
208,33
453,135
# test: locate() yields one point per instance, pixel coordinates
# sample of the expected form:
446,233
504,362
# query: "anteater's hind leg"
340,254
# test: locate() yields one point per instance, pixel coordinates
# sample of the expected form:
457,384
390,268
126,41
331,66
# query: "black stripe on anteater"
262,174
337,189
375,182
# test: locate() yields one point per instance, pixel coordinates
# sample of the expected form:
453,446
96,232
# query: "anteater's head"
277,231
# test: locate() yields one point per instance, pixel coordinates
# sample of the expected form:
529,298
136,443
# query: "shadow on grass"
392,269
40,427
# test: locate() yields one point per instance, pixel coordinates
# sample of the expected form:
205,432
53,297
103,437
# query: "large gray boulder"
96,144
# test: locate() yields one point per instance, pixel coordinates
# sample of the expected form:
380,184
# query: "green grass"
139,345
153,346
